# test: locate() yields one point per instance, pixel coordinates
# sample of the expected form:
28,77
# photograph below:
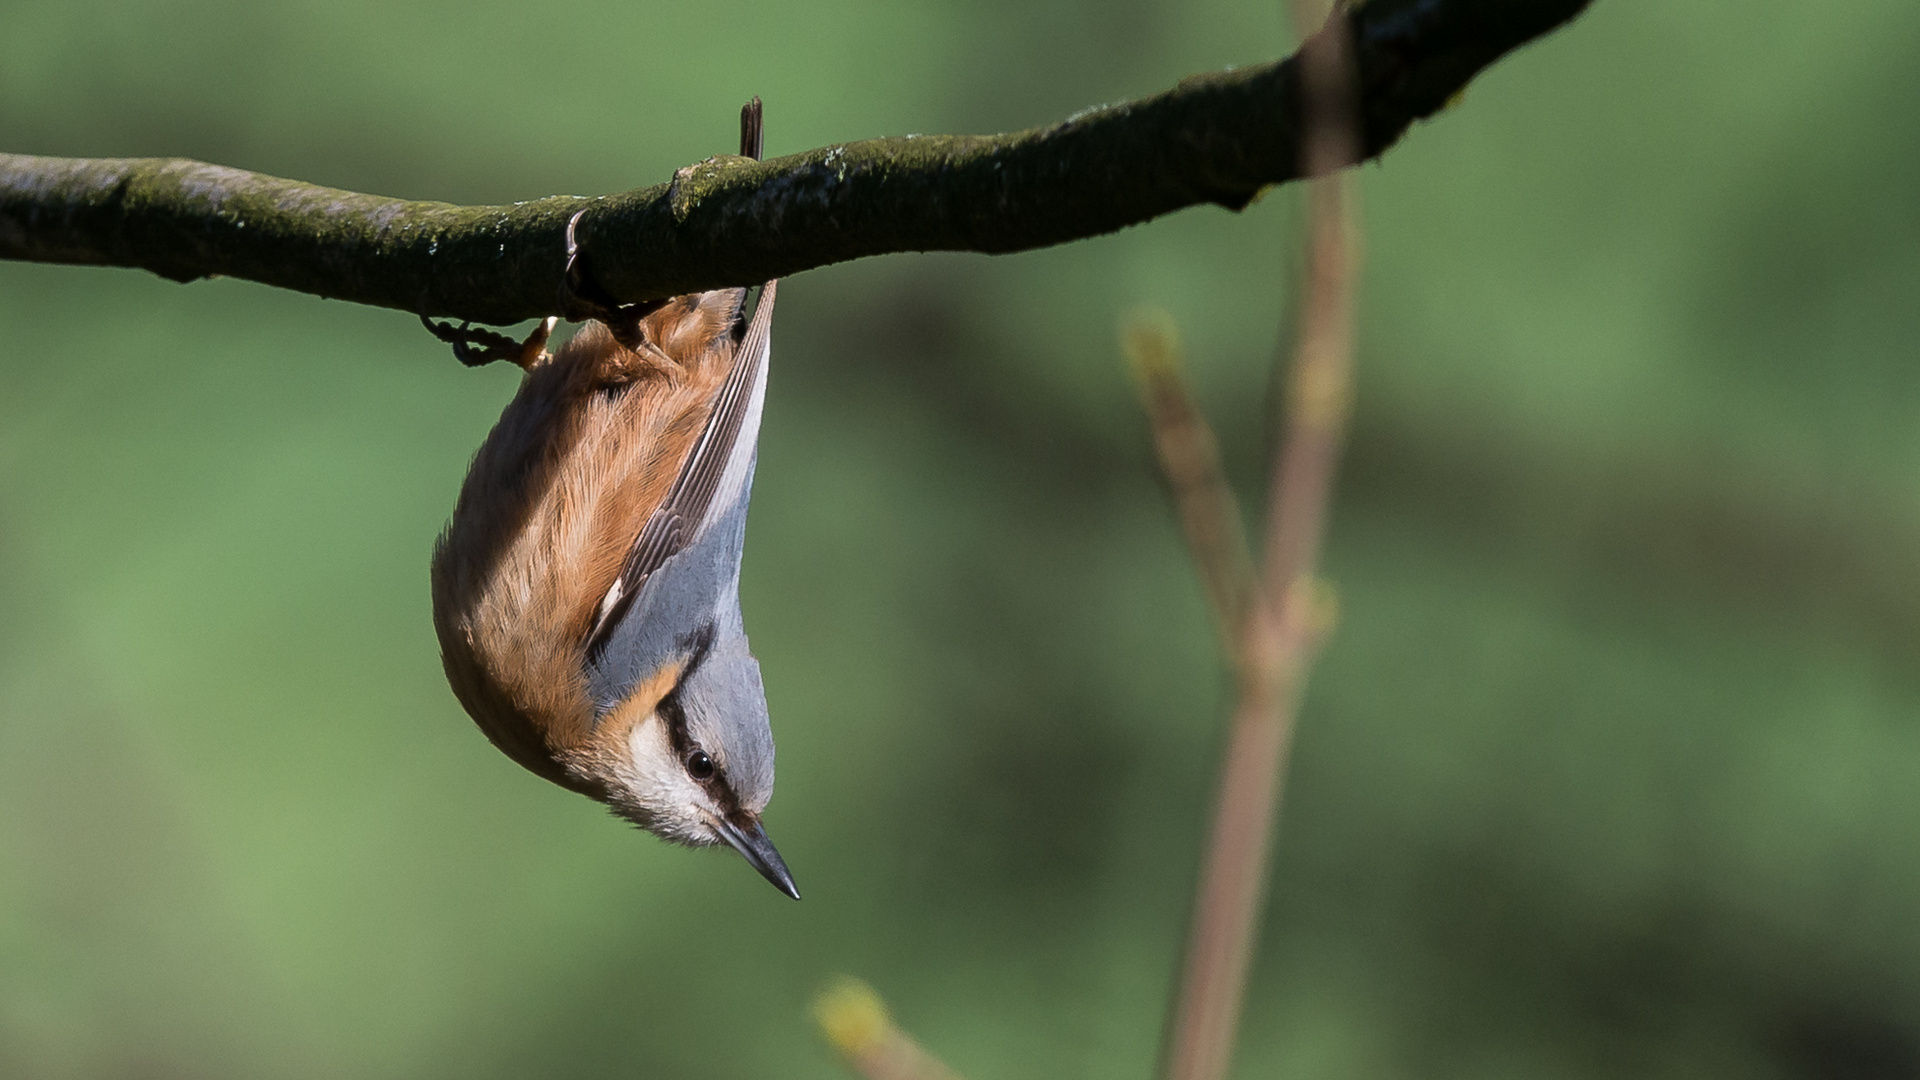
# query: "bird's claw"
475,347
581,297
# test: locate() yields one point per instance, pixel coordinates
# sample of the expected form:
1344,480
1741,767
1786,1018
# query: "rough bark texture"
1215,138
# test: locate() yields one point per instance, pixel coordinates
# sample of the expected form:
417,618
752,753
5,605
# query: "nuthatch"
587,589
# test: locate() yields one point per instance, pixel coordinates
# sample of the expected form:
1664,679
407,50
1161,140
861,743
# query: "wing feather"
708,482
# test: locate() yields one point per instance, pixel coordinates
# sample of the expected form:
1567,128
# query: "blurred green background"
1613,768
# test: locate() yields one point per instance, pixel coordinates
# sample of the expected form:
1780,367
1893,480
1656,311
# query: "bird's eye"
699,765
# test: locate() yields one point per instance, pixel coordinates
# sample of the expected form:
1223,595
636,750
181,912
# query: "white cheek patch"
648,754
655,780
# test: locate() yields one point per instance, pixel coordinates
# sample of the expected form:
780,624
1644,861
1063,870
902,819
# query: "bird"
586,590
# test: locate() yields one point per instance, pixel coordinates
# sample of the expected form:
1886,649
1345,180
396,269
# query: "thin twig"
1189,458
855,1021
1290,615
1215,138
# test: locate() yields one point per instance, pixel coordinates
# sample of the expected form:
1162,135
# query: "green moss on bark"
1216,138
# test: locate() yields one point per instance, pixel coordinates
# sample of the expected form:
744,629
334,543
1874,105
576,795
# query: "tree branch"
1216,138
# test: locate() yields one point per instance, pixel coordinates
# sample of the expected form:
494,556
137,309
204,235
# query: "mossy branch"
1216,138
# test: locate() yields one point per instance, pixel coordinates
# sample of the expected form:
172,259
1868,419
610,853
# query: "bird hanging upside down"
587,589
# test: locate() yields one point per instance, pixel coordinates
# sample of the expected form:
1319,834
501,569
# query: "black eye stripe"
698,645
675,714
698,763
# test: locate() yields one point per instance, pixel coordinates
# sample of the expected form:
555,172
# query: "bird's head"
688,754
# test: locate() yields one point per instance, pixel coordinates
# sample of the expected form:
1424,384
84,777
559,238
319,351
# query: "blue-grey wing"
694,537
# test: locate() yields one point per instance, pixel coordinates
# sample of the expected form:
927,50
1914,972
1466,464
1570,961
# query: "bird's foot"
581,297
475,347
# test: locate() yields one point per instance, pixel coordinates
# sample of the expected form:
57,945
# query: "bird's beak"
752,844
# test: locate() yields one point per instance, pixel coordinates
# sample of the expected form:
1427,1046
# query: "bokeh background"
1612,770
